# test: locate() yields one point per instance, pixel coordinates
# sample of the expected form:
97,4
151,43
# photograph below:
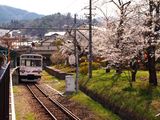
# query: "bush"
84,70
96,65
83,59
84,64
84,67
158,66
1,60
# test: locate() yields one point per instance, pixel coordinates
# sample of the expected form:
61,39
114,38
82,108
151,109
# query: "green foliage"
84,64
158,66
84,70
57,42
104,63
46,77
84,67
30,116
141,98
95,65
100,112
83,59
59,66
65,68
1,60
97,108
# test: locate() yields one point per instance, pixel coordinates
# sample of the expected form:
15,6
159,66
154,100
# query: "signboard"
70,83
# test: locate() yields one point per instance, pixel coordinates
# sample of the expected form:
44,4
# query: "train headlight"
37,71
22,71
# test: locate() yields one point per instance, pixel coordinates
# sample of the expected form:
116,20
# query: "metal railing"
4,93
13,80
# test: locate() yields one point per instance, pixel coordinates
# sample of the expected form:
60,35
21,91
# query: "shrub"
1,60
104,63
95,65
83,59
84,70
84,64
158,66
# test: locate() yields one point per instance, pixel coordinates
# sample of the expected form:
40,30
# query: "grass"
53,81
67,69
29,116
141,98
46,77
81,98
98,109
25,112
16,90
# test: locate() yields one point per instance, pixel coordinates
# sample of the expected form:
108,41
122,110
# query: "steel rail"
73,116
65,110
41,103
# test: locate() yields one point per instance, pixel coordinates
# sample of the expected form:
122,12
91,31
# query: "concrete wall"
57,73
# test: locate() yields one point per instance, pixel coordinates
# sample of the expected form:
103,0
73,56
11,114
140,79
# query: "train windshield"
33,63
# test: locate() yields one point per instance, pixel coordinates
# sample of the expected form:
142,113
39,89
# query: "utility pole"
76,54
90,40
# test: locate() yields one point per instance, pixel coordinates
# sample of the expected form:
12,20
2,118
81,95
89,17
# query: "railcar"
30,67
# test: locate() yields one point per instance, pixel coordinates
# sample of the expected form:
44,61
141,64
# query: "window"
23,62
28,63
36,63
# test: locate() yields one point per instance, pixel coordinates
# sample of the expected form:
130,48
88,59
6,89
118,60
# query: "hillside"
54,22
16,18
57,20
9,13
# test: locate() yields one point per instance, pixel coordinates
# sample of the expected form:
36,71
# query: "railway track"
56,110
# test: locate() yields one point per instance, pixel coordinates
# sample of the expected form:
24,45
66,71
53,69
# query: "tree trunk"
151,65
134,75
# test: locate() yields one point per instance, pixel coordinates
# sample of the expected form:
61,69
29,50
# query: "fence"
4,93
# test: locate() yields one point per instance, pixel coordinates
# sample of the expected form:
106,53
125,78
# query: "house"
15,33
50,37
3,32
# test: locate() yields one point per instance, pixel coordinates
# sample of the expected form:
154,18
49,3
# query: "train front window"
36,63
28,63
23,62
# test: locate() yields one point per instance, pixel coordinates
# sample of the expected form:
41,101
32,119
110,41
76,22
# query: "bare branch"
116,4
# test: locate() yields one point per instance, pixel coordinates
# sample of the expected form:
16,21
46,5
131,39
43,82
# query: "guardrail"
13,81
4,93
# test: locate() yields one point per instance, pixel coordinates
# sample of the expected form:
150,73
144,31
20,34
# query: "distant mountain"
9,13
40,26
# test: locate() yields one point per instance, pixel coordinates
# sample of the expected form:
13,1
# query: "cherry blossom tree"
69,42
122,38
151,36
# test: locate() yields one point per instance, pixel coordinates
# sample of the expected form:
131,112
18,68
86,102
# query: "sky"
48,7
